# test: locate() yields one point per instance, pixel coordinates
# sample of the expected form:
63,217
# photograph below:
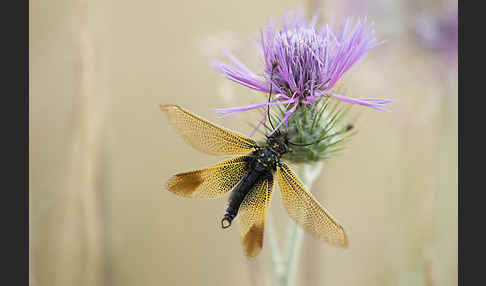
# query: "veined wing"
210,182
252,215
206,136
306,211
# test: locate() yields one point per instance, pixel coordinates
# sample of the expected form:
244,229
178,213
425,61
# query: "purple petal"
369,102
241,77
233,110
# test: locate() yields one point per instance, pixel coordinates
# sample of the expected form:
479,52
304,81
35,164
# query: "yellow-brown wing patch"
306,211
210,182
206,136
252,215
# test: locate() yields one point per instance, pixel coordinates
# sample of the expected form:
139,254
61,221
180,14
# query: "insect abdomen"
238,195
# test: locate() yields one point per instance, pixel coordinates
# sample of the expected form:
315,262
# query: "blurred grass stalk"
78,229
425,210
32,270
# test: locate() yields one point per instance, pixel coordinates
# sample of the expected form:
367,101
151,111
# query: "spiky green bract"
325,121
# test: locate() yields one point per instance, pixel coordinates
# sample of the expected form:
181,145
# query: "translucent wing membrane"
211,182
252,214
306,211
205,136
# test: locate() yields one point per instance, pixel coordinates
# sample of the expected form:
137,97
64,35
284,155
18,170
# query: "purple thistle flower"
303,63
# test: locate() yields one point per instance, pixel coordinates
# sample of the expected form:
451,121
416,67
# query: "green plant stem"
278,262
293,254
286,272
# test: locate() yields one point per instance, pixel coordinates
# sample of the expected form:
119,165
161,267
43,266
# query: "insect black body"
262,164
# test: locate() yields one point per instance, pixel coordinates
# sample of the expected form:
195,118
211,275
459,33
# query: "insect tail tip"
225,223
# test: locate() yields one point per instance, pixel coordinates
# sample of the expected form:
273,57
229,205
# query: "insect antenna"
274,66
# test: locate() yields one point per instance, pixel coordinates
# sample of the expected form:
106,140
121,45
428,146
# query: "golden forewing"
306,211
252,214
210,182
206,136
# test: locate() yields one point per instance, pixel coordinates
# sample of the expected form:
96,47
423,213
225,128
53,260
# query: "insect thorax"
268,156
278,143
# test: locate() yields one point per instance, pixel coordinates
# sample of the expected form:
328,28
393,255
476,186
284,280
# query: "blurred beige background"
100,150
